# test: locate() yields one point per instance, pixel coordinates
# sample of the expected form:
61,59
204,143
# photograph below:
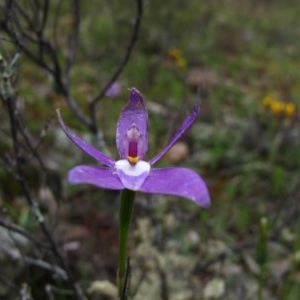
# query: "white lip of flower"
133,170
132,176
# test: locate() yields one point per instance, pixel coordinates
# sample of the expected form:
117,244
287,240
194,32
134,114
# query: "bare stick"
46,266
9,99
24,233
74,39
46,55
120,68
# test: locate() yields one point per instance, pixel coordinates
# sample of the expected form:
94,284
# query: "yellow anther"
133,160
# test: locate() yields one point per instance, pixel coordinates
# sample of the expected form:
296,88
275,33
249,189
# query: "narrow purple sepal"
183,128
177,181
101,157
101,177
134,113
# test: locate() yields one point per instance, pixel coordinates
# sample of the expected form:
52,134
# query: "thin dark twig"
126,280
32,204
74,39
55,21
9,25
7,72
24,233
8,164
44,16
12,113
34,7
7,282
46,266
120,68
33,149
51,65
24,15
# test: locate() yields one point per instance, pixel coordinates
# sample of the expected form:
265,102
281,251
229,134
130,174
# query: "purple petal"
132,176
84,146
132,127
113,90
101,177
177,181
183,128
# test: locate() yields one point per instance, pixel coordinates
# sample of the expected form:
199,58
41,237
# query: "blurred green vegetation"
236,53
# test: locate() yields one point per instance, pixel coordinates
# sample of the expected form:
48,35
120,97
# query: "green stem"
262,255
125,213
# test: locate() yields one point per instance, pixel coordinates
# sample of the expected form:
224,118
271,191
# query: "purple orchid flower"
131,171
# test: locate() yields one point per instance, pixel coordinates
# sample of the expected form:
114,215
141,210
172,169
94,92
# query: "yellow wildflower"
267,101
277,108
290,109
180,62
174,53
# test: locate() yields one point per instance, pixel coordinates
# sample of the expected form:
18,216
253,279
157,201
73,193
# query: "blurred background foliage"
240,61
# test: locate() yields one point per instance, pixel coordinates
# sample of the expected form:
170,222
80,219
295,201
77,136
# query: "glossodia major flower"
131,171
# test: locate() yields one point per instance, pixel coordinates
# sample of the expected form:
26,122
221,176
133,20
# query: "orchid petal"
177,181
132,176
113,90
101,157
133,123
99,176
183,128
